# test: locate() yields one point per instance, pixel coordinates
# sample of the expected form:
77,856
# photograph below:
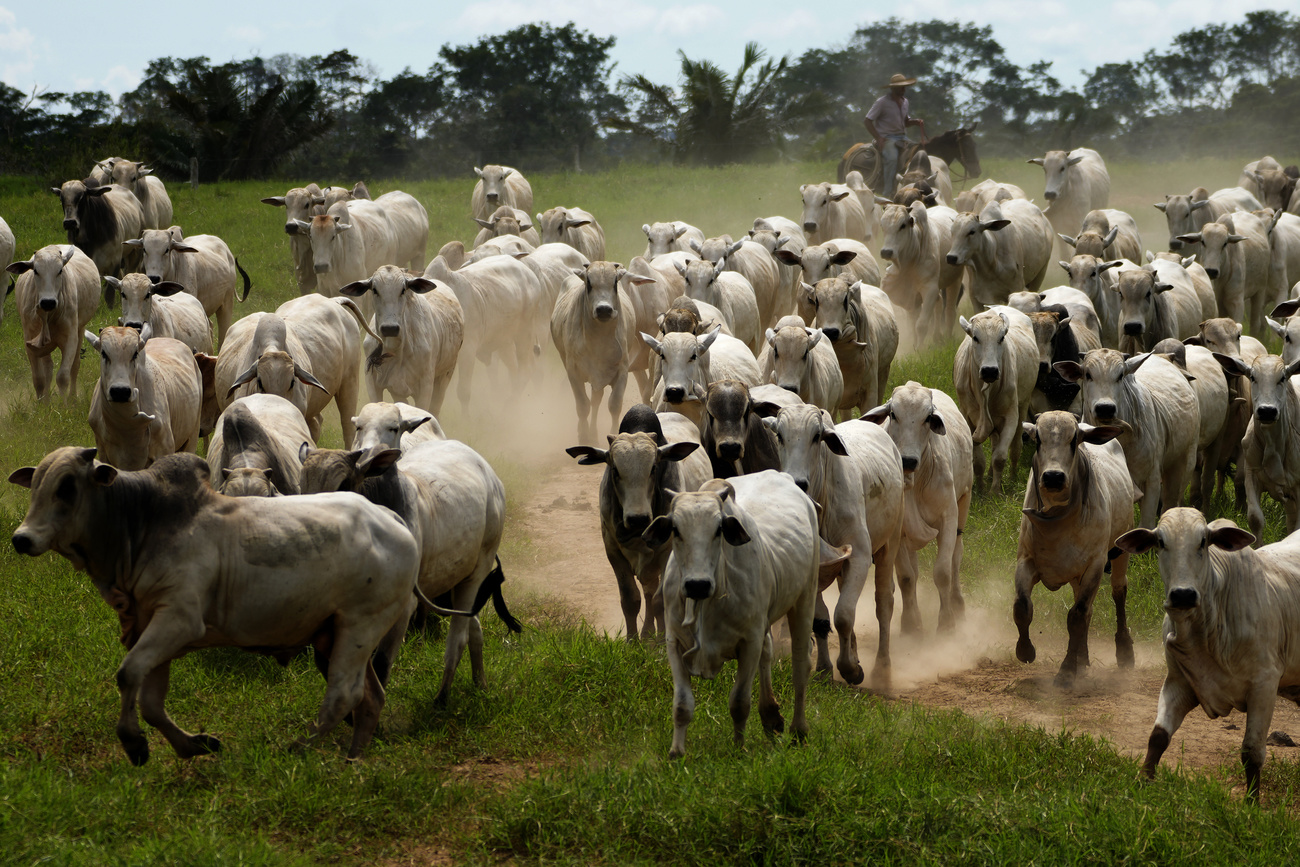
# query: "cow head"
300,204
247,482
126,173
987,333
680,317
912,422
394,291
1056,167
159,246
700,275
74,196
329,470
122,364
1215,239
716,249
792,360
60,512
1184,540
1055,465
902,227
971,235
821,261
601,299
556,223
1221,335
1102,376
494,183
137,297
683,362
727,410
381,425
1088,275
800,432
46,269
662,237
1181,217
1270,383
818,199
1137,290
325,230
635,464
506,221
835,305
698,524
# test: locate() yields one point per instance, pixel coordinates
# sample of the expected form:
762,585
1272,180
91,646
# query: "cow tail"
248,283
491,589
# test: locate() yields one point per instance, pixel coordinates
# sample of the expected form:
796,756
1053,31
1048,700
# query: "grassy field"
562,758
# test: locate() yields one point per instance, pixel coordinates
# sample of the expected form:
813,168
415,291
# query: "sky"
38,48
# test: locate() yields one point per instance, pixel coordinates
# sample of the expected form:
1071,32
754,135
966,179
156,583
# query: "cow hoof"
1064,679
675,753
852,676
1124,651
440,700
1025,650
773,722
137,749
202,745
798,737
882,679
823,675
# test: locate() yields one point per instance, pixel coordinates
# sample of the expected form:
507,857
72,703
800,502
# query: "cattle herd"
763,462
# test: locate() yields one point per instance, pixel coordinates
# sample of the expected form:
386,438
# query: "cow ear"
659,531
165,289
379,463
274,201
183,248
734,531
304,451
766,409
1277,327
965,324
834,443
133,242
1281,311
1161,287
1231,538
1137,541
994,225
1232,365
677,451
844,257
357,288
835,197
22,476
92,338
786,257
1030,430
1038,161
19,267
877,415
587,455
1070,371
103,474
1194,340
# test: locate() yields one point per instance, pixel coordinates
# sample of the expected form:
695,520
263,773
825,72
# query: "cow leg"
883,560
345,685
650,588
438,393
1177,699
643,384
366,714
1149,505
1022,610
69,364
852,581
977,465
476,653
615,406
629,597
223,318
1254,511
1119,594
42,370
683,698
582,404
821,632
386,652
952,607
163,639
907,565
1292,508
1077,622
769,709
465,377
457,638
742,692
345,401
1259,716
799,623
152,693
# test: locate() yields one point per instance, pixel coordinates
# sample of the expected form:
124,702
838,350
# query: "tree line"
545,98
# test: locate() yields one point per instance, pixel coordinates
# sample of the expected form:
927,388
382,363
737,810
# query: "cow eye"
67,490
1002,339
1088,377
696,355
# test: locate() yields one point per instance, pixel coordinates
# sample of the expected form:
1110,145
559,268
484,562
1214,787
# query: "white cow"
7,247
147,401
500,185
262,432
1235,252
203,264
674,237
867,198
832,211
553,264
350,590
800,361
1006,248
1097,280
348,242
421,328
832,258
1187,214
744,555
653,457
853,472
165,307
1077,182
994,372
300,205
57,294
649,296
382,425
988,190
688,364
1156,301
575,227
915,241
729,292
155,204
306,352
1107,234
1153,397
506,221
859,322
934,444
755,264
1078,501
1229,628
409,222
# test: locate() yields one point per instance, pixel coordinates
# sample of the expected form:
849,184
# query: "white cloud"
120,79
18,48
246,33
693,20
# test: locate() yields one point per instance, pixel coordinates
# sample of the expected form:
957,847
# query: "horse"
955,145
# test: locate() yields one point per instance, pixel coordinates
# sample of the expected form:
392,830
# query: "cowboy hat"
899,80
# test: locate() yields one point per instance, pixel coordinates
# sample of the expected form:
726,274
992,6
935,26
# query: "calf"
1230,619
995,371
187,568
421,328
56,294
934,443
165,307
454,505
1078,501
744,555
653,457
262,433
1154,398
854,474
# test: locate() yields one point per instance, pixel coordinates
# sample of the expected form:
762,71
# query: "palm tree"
714,118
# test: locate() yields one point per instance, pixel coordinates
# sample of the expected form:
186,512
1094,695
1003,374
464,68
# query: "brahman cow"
594,328
57,294
499,185
653,457
203,264
1187,214
1235,252
1229,631
800,361
1006,248
165,307
507,221
915,241
576,228
744,555
99,220
261,432
859,322
731,293
1076,182
735,439
186,568
155,204
1078,501
832,211
674,237
300,204
688,363
755,264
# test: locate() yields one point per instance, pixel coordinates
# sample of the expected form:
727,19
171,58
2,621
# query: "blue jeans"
893,145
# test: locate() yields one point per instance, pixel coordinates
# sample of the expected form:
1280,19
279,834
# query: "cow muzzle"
390,330
952,260
605,312
832,334
910,464
1050,195
1266,414
1182,598
801,484
1134,329
291,228
1212,273
155,279
1053,480
322,268
636,523
48,304
674,394
1104,410
989,374
810,227
697,590
492,197
793,389
71,225
731,451
887,253
1175,245
120,394
138,326
24,544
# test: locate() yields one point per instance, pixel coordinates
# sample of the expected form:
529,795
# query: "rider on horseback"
887,121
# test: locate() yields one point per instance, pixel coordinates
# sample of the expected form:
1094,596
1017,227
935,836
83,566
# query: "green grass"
563,758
